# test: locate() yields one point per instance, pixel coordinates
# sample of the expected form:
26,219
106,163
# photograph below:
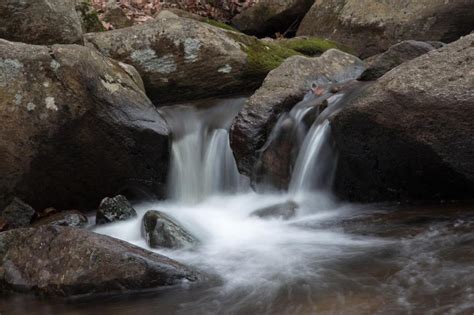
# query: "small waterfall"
202,162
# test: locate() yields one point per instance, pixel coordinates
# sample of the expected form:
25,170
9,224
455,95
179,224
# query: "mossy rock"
220,25
89,17
313,46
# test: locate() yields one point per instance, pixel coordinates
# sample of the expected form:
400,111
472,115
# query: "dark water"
400,260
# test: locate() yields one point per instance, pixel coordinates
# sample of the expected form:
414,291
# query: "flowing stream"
330,258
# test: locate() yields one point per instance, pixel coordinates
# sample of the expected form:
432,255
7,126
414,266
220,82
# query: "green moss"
262,57
313,46
89,16
220,25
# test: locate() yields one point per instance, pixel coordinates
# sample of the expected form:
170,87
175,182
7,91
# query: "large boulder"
40,21
182,59
372,26
162,231
411,134
17,214
268,17
281,90
76,126
114,209
397,54
65,261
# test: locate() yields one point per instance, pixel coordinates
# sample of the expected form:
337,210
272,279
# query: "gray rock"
160,230
268,17
372,26
76,126
56,261
281,90
114,209
72,218
410,136
40,22
17,214
284,211
397,54
181,58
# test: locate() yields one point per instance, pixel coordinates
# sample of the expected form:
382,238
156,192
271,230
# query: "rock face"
40,22
284,211
389,22
65,261
378,65
160,230
72,218
17,214
178,58
268,17
411,134
76,127
114,209
281,90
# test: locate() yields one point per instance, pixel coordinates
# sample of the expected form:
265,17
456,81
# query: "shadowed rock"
72,218
114,209
17,214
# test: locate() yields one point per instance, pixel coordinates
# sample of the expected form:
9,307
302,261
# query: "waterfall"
202,162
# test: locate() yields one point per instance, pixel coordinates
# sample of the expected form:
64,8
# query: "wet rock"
65,261
76,127
284,211
114,209
268,17
160,230
372,26
281,90
17,214
380,64
410,135
72,218
181,58
40,22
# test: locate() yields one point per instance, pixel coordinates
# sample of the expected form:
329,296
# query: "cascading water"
202,163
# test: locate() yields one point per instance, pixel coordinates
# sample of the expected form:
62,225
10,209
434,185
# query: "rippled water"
331,259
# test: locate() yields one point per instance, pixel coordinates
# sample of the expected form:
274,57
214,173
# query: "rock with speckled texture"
56,261
410,136
372,26
76,126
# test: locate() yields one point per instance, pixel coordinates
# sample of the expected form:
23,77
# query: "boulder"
76,126
410,136
114,209
281,90
40,22
284,211
72,218
372,26
56,261
182,59
380,64
162,231
17,214
115,16
268,17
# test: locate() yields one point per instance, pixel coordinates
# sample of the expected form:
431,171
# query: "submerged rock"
40,22
268,17
160,230
281,90
114,209
72,218
76,126
284,211
397,54
372,26
411,134
17,214
65,261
